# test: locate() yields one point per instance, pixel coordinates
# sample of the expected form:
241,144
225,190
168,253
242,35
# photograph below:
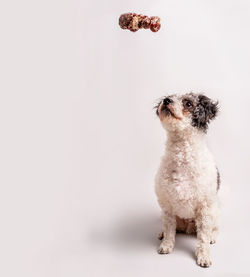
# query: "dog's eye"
188,104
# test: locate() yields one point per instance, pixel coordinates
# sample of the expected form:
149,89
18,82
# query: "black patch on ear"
204,112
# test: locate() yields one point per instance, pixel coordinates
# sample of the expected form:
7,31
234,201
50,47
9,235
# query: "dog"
188,180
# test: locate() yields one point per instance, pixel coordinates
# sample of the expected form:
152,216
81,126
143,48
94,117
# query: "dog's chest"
184,177
181,182
182,169
182,185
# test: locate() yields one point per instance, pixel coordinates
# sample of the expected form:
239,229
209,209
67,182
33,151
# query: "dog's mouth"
169,112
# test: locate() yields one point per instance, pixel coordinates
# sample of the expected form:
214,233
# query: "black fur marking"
204,112
218,179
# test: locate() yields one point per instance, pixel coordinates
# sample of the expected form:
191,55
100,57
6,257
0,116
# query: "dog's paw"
165,248
203,260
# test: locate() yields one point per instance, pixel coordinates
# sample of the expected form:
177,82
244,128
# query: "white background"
80,142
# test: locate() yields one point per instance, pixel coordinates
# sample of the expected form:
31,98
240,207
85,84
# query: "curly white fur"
186,182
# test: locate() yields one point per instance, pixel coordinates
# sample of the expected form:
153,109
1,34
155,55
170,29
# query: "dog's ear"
205,111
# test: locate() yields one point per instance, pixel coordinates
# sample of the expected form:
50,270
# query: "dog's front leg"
204,223
169,230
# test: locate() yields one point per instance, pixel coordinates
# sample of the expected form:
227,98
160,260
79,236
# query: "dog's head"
188,111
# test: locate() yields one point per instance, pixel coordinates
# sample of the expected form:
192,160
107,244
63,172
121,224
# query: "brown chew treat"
134,22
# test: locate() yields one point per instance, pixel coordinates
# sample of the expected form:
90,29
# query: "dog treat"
134,22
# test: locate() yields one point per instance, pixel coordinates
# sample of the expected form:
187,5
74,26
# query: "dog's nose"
167,101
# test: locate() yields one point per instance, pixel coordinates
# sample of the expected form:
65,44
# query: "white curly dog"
188,180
